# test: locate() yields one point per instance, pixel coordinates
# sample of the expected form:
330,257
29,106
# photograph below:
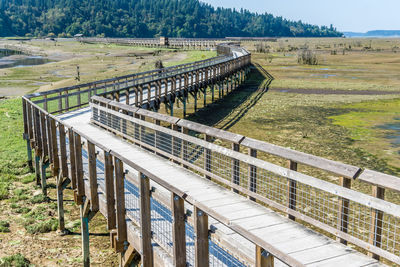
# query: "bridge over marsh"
178,193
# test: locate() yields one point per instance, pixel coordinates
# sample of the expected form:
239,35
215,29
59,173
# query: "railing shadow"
237,103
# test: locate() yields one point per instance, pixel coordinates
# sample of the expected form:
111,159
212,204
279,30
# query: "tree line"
145,18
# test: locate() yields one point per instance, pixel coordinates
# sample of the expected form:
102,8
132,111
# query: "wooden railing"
140,84
60,145
366,221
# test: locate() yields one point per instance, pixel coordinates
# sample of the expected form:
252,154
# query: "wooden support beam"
109,184
85,236
71,141
94,197
375,237
145,221
43,166
263,258
129,256
252,183
178,230
291,190
54,146
343,213
207,159
43,132
80,186
120,203
201,242
235,168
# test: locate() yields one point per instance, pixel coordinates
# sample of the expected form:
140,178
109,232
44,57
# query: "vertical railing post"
263,258
62,177
201,242
43,162
235,168
80,192
291,189
145,221
184,145
54,146
109,188
252,183
375,237
121,237
71,142
343,213
178,230
94,197
38,145
207,157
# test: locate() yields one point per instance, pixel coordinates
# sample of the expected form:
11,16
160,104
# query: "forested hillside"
143,18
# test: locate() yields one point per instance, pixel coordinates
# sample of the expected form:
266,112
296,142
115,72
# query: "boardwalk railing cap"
380,179
335,167
228,136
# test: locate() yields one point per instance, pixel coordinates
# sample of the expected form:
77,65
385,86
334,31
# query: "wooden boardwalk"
308,247
178,193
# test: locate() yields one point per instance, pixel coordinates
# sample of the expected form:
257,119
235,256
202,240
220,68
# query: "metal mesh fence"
315,203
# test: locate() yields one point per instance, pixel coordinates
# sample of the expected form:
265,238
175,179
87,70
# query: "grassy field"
95,61
341,109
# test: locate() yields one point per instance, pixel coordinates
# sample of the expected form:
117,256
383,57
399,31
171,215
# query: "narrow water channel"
13,58
394,127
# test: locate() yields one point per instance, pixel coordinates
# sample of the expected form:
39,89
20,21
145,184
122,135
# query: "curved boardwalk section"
174,198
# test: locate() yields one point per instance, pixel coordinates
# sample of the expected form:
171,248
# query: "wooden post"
207,155
184,146
109,184
375,237
263,258
178,231
343,214
43,167
201,242
62,175
235,168
43,131
49,142
291,190
54,146
80,193
94,197
120,205
252,183
145,221
85,234
72,157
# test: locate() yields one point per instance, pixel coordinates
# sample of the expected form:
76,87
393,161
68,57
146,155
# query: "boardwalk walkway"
308,247
175,192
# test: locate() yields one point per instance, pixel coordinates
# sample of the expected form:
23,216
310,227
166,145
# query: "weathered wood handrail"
75,160
351,196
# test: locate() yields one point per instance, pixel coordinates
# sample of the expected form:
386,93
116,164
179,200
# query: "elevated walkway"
290,238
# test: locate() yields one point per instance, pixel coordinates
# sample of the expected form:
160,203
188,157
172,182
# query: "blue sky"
346,15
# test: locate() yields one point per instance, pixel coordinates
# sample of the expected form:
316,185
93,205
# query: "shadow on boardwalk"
227,111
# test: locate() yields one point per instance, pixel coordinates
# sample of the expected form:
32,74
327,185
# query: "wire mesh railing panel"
316,203
161,225
271,186
132,204
390,229
190,244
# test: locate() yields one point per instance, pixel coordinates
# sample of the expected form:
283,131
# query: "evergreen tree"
145,18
